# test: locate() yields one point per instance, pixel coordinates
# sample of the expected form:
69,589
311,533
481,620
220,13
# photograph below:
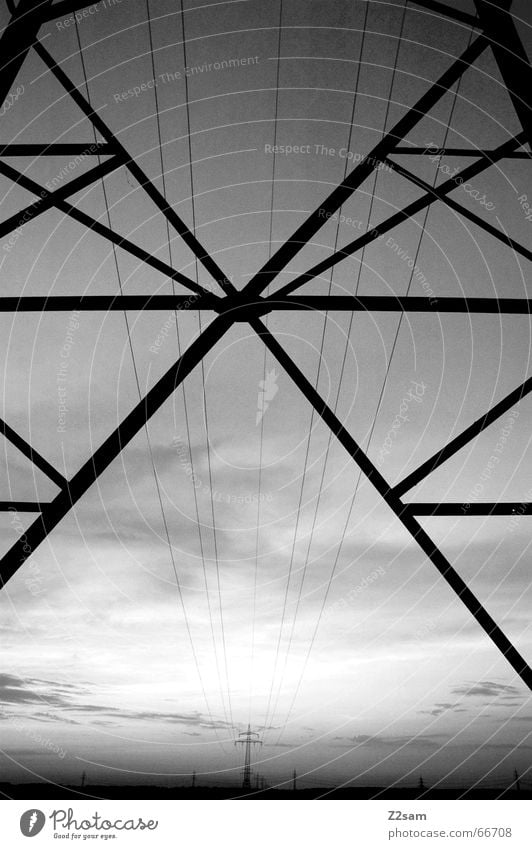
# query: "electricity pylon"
248,739
496,32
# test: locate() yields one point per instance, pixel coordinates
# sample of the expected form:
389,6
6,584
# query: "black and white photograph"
266,421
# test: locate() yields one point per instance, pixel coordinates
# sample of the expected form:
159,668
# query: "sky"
228,568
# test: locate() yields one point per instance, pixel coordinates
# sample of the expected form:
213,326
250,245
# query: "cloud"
444,707
433,742
20,691
23,692
425,741
490,689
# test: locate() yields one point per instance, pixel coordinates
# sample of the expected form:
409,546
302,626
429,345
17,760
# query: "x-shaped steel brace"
248,305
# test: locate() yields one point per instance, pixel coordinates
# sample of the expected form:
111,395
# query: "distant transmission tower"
247,739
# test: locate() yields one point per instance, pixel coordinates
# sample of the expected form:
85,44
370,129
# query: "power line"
376,175
416,256
423,227
185,404
137,382
324,330
265,356
205,408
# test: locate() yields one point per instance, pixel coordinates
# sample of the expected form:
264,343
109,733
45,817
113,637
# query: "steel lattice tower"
494,30
247,739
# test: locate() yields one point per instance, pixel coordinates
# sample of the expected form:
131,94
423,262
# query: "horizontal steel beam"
54,149
22,506
459,151
402,303
329,303
464,508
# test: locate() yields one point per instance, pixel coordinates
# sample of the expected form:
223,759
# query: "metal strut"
497,31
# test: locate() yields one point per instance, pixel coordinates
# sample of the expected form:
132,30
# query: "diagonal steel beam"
57,198
403,214
463,438
17,39
66,7
153,193
33,455
402,511
447,11
89,472
280,259
48,199
462,210
511,57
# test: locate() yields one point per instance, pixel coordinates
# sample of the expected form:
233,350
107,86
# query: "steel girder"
497,31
